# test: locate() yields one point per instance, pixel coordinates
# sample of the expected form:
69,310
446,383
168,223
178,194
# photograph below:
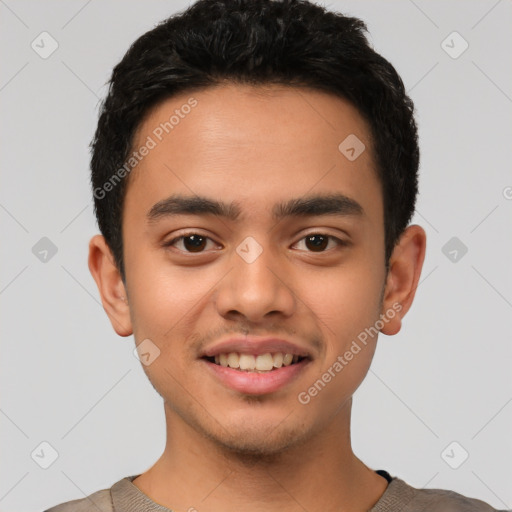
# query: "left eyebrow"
333,204
315,205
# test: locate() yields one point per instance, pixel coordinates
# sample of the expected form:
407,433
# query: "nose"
256,290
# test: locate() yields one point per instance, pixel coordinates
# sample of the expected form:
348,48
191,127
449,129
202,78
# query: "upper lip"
255,345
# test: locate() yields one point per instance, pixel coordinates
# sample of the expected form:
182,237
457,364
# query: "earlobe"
110,285
405,267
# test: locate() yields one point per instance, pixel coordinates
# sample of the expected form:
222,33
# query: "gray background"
66,377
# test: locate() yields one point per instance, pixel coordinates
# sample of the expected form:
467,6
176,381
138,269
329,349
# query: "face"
247,231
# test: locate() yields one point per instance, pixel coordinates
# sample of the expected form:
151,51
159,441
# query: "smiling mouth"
262,363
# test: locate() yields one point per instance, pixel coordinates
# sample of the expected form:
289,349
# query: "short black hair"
257,42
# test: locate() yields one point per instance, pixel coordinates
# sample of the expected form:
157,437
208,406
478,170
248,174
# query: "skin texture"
257,146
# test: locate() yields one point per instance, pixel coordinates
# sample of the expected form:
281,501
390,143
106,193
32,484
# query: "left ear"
404,273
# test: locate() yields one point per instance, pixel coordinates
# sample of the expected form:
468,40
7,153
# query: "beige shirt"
124,496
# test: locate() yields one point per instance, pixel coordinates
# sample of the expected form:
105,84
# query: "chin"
258,443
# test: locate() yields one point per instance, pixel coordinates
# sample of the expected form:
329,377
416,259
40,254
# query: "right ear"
110,285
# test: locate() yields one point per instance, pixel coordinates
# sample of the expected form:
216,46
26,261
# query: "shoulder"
441,500
100,501
433,500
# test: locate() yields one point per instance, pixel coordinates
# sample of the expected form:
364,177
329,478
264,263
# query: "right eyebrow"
192,205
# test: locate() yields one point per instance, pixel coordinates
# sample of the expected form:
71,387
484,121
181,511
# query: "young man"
254,172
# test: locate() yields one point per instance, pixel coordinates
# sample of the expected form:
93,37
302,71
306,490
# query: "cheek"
345,300
164,298
165,306
346,304
345,308
161,294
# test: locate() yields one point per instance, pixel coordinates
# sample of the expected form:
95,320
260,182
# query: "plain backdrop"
437,392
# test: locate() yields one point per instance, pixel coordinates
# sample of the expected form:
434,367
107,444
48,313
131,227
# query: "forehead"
232,112
260,143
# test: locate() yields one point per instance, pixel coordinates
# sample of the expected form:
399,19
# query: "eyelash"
339,242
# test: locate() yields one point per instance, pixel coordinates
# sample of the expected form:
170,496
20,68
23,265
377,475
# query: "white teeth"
260,363
278,360
247,362
264,362
287,360
233,360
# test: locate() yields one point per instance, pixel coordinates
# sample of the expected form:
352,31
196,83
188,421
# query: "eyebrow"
313,205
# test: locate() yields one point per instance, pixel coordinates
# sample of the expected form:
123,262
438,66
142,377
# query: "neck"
321,473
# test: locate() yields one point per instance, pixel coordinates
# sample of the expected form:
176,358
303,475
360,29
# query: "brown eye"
194,243
317,243
190,243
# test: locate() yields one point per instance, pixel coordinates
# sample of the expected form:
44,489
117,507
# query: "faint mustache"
198,341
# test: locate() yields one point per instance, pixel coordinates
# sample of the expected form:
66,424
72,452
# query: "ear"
110,285
404,273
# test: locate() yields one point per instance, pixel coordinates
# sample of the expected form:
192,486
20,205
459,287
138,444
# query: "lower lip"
254,383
